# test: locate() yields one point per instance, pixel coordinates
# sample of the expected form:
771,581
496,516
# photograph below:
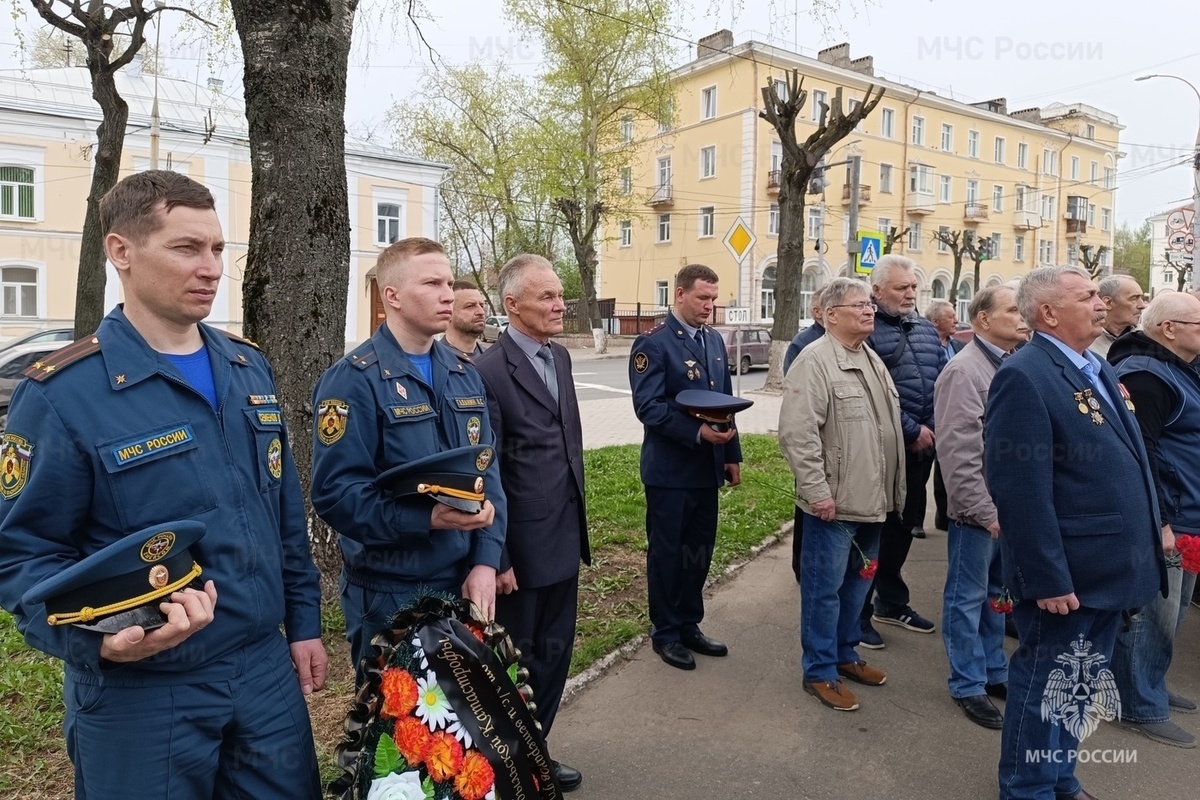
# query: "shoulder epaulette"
463,356
241,339
655,329
62,358
364,356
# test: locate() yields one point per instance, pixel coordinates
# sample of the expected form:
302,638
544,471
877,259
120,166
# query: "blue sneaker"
870,637
905,618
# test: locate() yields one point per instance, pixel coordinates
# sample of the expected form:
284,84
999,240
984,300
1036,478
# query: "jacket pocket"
1090,524
266,425
528,510
157,475
849,401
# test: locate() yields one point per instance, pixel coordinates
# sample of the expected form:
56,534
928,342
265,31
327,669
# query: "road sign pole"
852,241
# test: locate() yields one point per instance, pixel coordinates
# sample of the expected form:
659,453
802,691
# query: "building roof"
182,105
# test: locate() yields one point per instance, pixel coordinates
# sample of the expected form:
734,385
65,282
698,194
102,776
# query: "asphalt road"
606,378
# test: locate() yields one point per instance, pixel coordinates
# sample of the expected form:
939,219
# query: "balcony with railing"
864,195
773,179
975,212
1076,227
1027,220
919,203
660,196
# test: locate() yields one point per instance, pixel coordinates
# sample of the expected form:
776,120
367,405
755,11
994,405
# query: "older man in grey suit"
539,439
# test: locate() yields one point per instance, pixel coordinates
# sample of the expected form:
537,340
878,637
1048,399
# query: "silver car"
493,327
13,362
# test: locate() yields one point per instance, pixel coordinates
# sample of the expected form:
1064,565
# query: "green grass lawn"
612,610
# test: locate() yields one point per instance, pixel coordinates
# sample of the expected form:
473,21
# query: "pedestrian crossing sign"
870,248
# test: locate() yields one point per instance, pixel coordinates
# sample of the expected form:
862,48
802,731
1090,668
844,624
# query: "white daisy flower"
460,732
416,643
432,706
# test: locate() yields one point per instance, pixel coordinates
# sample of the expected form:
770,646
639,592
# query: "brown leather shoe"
833,694
862,672
1080,795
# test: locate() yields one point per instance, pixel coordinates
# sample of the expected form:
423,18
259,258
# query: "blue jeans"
1036,758
972,631
1143,653
832,593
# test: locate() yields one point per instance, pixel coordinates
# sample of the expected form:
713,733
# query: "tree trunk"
957,277
789,266
298,266
106,170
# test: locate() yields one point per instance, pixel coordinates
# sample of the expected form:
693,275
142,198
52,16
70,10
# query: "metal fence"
625,319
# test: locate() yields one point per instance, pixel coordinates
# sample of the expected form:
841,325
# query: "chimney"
864,65
998,105
215,84
838,55
1033,115
714,44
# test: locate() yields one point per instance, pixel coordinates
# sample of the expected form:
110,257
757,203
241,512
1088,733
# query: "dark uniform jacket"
916,368
664,362
375,411
116,441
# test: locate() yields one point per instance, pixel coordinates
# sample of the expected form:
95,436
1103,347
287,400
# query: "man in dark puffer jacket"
910,347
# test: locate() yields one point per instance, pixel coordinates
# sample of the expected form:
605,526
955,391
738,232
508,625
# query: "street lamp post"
1195,179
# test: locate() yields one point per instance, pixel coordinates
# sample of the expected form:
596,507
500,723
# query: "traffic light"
817,181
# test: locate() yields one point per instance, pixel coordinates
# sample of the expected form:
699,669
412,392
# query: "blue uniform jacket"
230,468
664,362
392,417
1072,485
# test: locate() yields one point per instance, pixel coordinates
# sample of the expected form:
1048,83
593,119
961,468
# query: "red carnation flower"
412,739
399,692
476,778
445,757
869,568
1189,548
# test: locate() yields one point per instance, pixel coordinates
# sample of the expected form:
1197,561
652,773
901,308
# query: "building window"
887,123
819,99
972,191
1047,207
1022,155
1045,251
885,226
781,89
885,178
947,138
1049,162
914,236
945,188
1105,219
994,251
773,219
707,221
664,227
664,171
997,198
1089,131
1110,178
1019,198
1094,176
16,192
998,154
973,144
1091,215
626,180
626,129
918,131
1106,259
808,286
626,228
964,299
942,247
387,223
1169,275
708,102
938,289
776,156
766,294
852,104
1073,254
814,223
662,294
708,161
1019,248
1074,168
920,179
19,288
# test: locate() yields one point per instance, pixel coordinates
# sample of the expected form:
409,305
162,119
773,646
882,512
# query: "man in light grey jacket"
839,427
972,630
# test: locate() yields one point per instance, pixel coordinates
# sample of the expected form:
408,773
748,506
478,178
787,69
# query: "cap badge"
485,458
157,546
159,577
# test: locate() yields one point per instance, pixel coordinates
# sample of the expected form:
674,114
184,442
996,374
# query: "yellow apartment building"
47,129
1038,181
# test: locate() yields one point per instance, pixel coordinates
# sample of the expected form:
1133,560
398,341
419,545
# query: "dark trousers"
541,622
940,520
681,529
896,538
797,541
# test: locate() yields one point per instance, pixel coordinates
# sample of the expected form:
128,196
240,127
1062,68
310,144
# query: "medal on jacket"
1089,405
692,372
1125,396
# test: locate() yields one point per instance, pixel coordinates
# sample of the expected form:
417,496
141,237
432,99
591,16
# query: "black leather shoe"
568,778
918,533
997,690
675,654
1080,795
699,643
979,709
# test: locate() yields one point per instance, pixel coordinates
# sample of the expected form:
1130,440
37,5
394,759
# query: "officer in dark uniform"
684,462
157,417
399,397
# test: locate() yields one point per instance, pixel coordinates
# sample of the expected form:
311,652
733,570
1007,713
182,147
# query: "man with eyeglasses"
1157,365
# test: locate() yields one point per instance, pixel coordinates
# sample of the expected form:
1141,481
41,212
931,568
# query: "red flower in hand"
869,568
1002,604
1189,548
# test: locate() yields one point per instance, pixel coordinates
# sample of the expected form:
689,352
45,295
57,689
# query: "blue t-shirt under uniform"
197,371
424,365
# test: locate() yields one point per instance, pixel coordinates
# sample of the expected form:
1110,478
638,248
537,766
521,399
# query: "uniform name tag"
411,411
470,402
159,442
269,417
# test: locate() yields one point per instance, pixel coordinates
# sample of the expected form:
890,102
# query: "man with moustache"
539,438
466,326
1123,304
399,397
1080,545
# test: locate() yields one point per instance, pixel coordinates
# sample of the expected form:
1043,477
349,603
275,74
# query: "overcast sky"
1033,52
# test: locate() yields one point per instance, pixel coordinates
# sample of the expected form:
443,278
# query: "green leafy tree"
1131,252
568,273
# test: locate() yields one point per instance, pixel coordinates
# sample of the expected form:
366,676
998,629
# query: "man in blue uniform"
154,418
399,397
684,462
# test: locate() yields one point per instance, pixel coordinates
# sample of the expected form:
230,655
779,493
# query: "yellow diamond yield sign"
739,240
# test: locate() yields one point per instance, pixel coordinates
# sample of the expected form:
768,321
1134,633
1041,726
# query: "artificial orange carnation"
445,757
399,693
476,630
476,778
412,739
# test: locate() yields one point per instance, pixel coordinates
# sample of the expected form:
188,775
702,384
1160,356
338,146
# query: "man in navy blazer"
539,438
1079,530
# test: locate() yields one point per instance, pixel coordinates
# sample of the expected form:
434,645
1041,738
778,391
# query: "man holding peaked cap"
157,417
675,370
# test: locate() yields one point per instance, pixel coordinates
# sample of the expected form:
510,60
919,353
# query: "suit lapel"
1074,375
527,377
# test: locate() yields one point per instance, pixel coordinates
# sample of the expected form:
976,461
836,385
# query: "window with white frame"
708,161
708,102
918,131
626,129
808,287
851,105
388,217
1049,161
885,178
1045,251
17,193
662,294
914,236
1094,176
964,299
947,138
776,156
1072,254
972,191
664,228
998,151
1106,259
1105,219
814,223
664,171
885,226
18,287
1048,206
626,180
1074,168
1019,198
945,188
1091,215
1169,275
920,179
1089,131
773,219
707,221
1110,178
1019,247
625,227
942,247
995,253
781,89
972,144
997,197
1022,155
819,98
938,289
766,294
887,123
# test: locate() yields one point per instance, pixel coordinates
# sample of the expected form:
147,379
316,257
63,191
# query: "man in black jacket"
910,347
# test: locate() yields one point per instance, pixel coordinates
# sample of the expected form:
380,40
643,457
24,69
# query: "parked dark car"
756,347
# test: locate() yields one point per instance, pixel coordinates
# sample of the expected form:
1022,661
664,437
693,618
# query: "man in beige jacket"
839,427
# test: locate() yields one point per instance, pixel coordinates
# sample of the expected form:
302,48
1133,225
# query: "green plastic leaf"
387,757
512,673
427,787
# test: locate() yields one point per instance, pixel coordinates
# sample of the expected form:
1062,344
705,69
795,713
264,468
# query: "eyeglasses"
859,307
1179,322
